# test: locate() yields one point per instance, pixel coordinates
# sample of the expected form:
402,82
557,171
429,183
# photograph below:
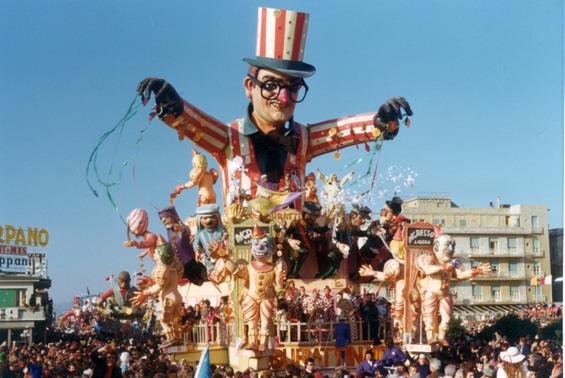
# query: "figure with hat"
201,177
438,270
512,364
301,239
210,240
179,236
267,138
391,219
353,230
262,280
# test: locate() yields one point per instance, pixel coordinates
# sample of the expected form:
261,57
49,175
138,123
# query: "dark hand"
386,119
166,97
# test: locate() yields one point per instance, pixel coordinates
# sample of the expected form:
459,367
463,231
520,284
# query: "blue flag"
203,370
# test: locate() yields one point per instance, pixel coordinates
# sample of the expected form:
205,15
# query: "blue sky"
484,78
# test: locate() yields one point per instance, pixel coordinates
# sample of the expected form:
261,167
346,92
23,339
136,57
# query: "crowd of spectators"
90,341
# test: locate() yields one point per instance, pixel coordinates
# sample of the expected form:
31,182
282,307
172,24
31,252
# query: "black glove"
166,97
390,111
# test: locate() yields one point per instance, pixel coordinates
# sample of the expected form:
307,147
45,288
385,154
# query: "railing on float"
221,334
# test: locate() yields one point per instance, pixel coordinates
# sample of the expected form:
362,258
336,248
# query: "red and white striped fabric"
281,34
224,142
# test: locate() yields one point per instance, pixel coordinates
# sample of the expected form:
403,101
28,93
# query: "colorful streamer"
106,180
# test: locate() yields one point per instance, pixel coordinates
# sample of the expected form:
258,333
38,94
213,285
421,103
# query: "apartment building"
514,239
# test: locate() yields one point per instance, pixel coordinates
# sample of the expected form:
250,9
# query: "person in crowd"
368,365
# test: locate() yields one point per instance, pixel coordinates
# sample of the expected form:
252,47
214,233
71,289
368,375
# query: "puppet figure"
332,193
200,177
310,189
165,279
179,237
438,270
262,280
122,291
209,241
138,222
301,235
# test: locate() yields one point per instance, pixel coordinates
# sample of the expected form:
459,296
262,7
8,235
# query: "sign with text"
419,235
243,234
20,236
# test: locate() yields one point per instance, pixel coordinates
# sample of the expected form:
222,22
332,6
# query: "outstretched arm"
190,122
332,135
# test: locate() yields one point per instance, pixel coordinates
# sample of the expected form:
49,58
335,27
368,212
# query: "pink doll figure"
137,223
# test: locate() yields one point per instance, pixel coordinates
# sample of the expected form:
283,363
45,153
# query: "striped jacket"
224,142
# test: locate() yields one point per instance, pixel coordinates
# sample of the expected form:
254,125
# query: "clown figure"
438,270
262,280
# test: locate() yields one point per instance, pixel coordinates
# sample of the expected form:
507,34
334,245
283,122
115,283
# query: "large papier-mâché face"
262,248
444,248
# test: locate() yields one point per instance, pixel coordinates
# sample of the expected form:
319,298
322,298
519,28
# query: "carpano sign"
30,236
14,263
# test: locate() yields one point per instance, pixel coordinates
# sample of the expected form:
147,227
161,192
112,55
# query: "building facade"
514,239
556,255
25,307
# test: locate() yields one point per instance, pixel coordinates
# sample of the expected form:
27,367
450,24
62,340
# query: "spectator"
511,364
368,365
423,366
435,365
309,364
393,355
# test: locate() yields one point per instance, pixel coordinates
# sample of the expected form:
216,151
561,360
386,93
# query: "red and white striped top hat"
281,38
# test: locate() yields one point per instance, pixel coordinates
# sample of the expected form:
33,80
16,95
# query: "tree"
512,327
455,330
554,330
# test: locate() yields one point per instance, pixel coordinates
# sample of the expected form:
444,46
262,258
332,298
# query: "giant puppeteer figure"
267,138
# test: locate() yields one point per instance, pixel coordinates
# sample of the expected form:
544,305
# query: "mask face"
261,248
444,248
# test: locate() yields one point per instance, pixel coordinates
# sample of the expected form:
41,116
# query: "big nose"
284,96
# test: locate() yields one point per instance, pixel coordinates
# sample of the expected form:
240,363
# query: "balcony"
535,252
537,230
22,313
516,253
498,300
539,298
503,275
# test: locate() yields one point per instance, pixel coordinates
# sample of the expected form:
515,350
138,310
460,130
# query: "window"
438,220
535,246
493,245
513,268
538,292
474,245
495,292
477,292
535,221
512,242
537,268
495,266
515,292
8,298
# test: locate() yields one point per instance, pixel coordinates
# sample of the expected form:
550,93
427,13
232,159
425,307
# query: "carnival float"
277,238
